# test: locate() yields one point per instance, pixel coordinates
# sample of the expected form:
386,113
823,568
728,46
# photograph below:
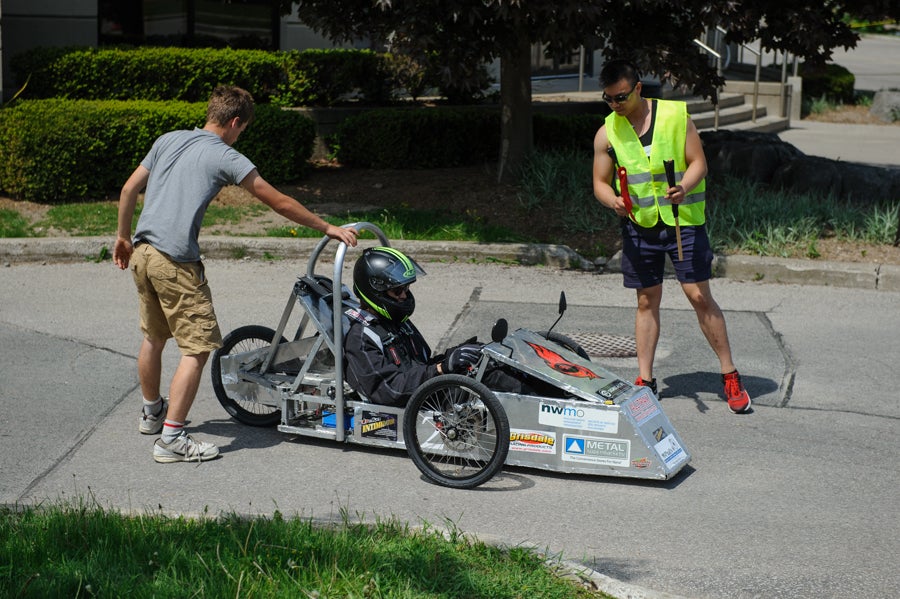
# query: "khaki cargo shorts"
175,301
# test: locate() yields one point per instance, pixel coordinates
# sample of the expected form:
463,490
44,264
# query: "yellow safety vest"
647,182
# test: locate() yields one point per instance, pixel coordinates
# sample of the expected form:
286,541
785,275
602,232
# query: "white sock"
153,408
171,430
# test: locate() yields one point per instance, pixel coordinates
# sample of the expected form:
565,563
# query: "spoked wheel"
566,342
249,402
456,431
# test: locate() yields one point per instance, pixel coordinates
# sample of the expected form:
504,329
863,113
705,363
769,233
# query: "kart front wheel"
456,431
247,401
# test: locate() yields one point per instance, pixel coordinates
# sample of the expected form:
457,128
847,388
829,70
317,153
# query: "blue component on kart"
329,419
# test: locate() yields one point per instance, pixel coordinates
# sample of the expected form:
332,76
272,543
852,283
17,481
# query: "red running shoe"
651,383
737,396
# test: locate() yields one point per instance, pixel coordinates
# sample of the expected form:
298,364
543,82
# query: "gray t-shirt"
187,170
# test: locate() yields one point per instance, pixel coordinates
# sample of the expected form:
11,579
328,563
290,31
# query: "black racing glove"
459,359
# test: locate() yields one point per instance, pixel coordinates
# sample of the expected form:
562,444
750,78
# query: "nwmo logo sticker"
579,417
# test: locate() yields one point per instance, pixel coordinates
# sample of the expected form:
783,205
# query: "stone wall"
764,158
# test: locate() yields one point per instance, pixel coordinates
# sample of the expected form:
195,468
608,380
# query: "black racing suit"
386,363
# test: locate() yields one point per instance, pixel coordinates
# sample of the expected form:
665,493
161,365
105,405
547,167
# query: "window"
205,23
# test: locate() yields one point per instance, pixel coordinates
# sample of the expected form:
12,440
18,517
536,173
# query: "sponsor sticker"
670,450
378,424
596,450
568,415
642,408
532,441
614,389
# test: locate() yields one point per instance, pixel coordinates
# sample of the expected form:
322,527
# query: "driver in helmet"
386,356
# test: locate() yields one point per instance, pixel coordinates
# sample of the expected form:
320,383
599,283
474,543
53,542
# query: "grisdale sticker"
532,441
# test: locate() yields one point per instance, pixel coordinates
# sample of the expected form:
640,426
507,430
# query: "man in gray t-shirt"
182,173
187,169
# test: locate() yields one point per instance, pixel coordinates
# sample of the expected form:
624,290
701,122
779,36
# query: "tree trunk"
516,138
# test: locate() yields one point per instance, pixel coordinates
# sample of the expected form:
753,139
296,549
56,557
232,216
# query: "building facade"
26,24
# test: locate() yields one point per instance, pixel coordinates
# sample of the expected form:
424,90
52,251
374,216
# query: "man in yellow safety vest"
659,220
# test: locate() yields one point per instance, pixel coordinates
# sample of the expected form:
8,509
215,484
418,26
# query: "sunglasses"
618,98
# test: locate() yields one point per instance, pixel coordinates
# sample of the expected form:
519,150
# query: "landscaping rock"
886,105
764,158
747,154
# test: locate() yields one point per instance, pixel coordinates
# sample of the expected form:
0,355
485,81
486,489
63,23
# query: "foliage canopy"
656,34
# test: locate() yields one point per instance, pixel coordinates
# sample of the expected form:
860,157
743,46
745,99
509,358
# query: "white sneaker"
183,449
150,424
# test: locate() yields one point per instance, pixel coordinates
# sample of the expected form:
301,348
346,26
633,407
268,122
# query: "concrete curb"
762,269
579,573
856,275
596,581
77,249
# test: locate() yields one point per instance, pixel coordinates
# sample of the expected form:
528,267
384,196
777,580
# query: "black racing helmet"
380,269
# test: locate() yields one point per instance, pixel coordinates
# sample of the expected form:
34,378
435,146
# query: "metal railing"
718,55
718,58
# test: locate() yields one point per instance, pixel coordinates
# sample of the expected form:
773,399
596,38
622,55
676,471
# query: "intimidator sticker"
378,424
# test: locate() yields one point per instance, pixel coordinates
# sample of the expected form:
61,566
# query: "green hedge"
149,73
285,78
446,137
570,132
832,82
419,137
326,77
279,142
67,150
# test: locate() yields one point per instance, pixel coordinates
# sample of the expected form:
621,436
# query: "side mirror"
562,308
499,330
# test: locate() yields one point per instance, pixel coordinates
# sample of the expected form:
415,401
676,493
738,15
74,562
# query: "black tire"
250,412
456,431
566,342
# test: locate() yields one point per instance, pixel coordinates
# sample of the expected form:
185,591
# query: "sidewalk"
878,145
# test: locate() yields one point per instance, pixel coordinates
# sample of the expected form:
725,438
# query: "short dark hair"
618,69
227,102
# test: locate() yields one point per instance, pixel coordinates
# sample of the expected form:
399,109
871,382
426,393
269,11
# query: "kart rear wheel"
566,342
242,402
456,431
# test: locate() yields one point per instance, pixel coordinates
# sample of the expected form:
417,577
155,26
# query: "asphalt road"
797,499
874,62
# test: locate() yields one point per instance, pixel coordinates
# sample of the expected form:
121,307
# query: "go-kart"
457,431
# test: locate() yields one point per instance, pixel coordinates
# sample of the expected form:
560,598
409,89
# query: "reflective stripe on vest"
647,182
